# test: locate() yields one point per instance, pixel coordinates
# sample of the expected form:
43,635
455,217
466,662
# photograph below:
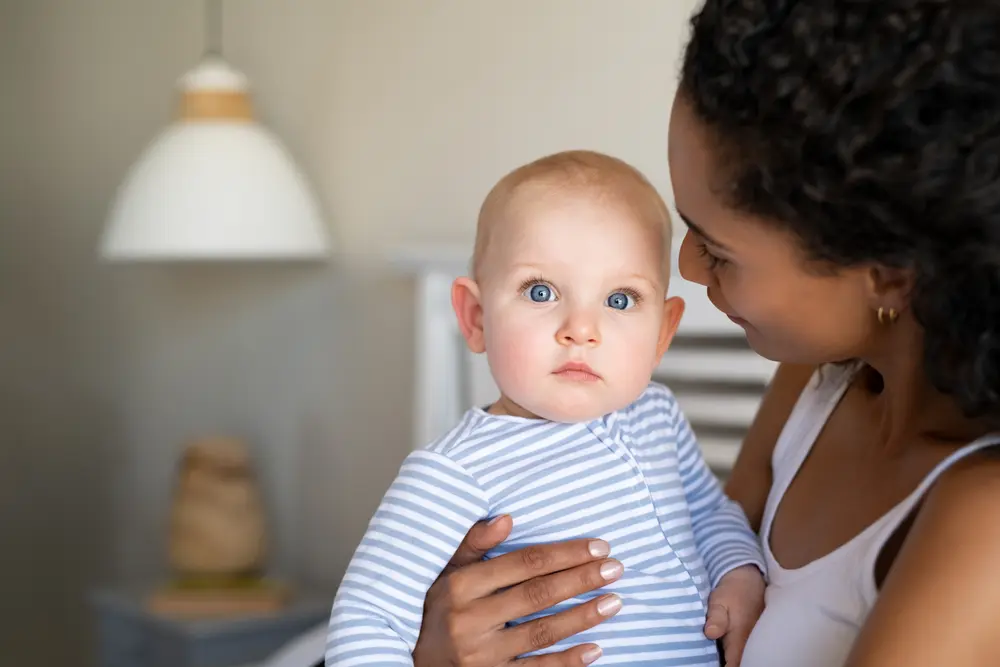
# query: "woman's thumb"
482,537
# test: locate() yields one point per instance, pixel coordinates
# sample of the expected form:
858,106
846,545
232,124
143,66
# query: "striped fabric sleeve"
721,529
422,519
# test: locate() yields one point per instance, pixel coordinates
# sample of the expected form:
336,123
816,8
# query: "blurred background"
401,114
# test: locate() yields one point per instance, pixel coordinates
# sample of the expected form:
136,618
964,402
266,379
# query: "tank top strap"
808,417
891,521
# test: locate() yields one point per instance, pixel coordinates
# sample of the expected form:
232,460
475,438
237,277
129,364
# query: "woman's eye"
714,261
621,301
539,293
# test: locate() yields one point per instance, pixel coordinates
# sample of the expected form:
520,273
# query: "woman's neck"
910,407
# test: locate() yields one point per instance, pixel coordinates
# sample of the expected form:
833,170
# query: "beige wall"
402,112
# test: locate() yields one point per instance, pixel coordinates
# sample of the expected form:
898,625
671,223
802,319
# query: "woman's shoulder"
941,601
967,494
964,496
961,512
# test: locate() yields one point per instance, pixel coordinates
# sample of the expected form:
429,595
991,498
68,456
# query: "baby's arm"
723,536
415,531
721,530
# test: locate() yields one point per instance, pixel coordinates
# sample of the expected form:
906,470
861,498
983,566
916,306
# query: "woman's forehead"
701,206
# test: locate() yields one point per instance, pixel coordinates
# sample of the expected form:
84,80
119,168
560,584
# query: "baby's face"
573,308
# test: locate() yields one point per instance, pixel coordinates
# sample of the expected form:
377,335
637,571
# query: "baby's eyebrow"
641,278
526,265
535,268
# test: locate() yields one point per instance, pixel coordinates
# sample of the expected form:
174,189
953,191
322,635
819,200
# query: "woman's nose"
691,266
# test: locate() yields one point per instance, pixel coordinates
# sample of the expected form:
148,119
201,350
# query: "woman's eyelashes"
538,290
713,260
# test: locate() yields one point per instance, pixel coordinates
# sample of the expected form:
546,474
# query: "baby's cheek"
634,362
513,358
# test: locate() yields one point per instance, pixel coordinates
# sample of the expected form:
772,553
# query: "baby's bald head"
587,175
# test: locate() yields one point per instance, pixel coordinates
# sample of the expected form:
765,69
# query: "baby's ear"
673,309
465,299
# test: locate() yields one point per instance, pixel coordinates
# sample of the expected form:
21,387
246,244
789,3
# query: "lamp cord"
213,27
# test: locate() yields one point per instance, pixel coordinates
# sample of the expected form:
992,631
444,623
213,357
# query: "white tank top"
814,613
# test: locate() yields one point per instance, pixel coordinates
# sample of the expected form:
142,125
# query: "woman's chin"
763,346
781,352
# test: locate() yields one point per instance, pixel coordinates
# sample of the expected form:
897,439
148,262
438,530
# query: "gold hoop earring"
892,316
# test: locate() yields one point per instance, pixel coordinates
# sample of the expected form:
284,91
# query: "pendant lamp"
215,184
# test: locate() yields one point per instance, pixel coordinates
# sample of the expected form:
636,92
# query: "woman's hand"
466,609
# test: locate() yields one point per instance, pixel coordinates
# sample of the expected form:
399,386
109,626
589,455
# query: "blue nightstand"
129,635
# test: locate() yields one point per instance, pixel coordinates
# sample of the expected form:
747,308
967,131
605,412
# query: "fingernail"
591,655
612,570
609,606
495,519
599,548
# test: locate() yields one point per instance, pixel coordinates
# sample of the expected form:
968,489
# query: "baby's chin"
576,411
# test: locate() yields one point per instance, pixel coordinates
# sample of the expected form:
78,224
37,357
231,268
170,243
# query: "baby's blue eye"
539,293
620,301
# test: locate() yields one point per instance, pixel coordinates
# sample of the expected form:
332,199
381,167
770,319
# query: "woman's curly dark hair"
871,129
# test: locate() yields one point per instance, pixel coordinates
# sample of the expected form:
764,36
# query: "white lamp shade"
218,188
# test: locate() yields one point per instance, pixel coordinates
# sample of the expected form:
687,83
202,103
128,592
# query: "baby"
567,298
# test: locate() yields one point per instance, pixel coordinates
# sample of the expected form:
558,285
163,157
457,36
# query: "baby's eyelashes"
624,299
539,292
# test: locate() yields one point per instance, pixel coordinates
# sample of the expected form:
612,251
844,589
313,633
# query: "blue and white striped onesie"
635,478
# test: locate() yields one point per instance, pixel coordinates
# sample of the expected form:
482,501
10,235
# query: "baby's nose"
579,329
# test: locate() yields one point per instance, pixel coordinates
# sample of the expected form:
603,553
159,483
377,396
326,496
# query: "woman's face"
756,272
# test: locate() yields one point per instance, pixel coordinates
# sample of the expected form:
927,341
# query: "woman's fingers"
483,536
485,578
585,654
546,631
542,592
485,618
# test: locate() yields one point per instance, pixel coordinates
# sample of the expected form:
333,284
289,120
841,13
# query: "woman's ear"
890,287
465,299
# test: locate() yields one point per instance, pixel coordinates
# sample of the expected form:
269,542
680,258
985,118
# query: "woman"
838,166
